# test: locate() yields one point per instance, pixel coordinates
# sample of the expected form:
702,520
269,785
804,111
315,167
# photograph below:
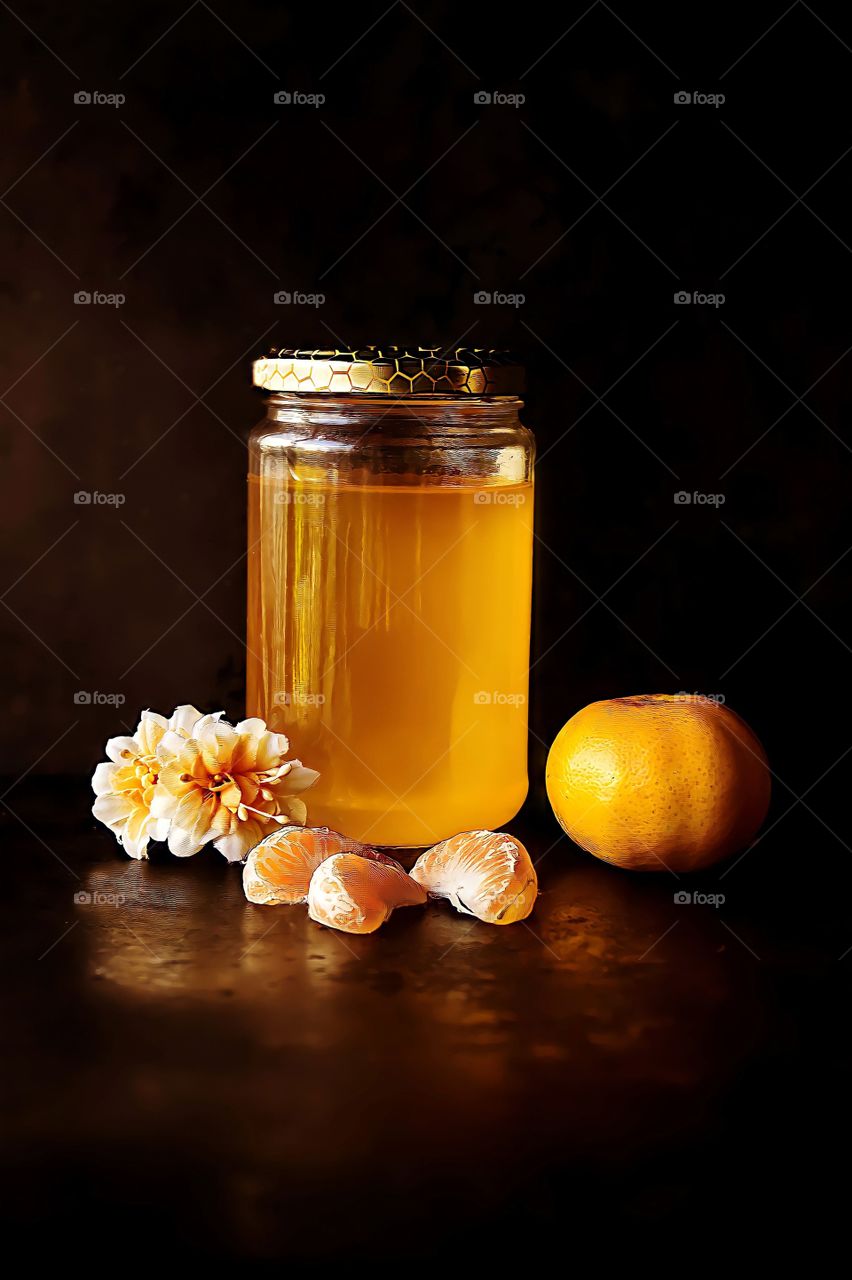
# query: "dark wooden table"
192,1074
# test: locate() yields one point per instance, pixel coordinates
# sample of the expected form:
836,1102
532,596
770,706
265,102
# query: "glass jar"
389,585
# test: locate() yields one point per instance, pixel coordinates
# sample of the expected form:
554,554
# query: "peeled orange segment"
485,874
279,869
357,894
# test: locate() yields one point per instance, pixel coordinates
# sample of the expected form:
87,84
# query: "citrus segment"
357,894
279,869
485,874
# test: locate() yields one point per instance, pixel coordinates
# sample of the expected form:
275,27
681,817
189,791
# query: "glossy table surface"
222,1078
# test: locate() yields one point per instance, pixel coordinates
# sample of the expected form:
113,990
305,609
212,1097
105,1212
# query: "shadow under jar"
389,585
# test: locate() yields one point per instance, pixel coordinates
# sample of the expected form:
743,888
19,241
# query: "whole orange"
660,781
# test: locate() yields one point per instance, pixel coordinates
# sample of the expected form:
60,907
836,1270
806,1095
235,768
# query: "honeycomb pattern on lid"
390,371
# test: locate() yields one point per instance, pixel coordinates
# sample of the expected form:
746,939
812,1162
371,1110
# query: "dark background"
705,398
597,199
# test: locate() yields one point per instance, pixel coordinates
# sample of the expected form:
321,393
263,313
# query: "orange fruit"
656,782
358,894
279,869
485,874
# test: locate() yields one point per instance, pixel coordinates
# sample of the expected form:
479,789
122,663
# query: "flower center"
147,770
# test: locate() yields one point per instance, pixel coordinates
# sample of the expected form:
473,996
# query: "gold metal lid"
391,371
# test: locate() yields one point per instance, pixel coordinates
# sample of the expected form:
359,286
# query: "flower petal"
150,730
173,745
218,742
184,718
134,837
296,812
204,730
231,796
126,780
102,778
121,750
235,847
170,781
113,811
159,827
192,821
162,807
271,750
136,848
254,726
298,779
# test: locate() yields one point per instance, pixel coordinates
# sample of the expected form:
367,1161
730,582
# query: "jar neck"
479,412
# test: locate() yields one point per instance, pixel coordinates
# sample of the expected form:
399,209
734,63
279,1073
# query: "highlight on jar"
384,745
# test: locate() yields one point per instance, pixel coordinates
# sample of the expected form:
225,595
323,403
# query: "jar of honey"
389,584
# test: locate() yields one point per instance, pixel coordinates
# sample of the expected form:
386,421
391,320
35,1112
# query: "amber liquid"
388,637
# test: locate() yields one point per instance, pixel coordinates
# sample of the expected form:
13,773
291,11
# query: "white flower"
226,784
125,785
